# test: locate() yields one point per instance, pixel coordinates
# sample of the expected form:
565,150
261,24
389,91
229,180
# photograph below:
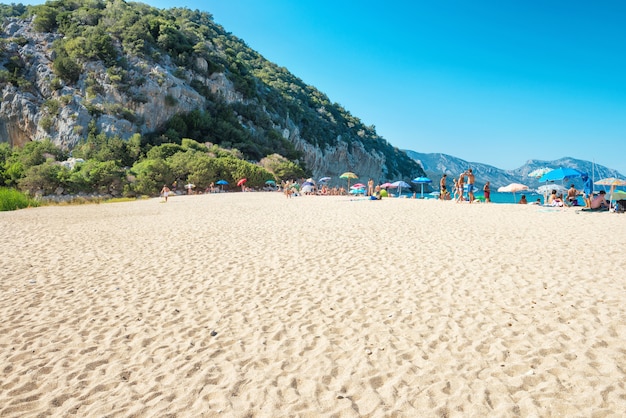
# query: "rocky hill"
68,68
435,164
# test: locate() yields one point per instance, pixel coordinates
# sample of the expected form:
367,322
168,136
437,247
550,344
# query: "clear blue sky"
486,81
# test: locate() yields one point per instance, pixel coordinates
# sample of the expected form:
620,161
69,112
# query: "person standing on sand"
165,191
470,185
287,189
459,187
442,187
487,192
370,187
587,190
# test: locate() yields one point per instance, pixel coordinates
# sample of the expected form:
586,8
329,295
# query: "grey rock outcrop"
149,95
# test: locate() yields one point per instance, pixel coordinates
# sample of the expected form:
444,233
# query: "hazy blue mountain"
435,164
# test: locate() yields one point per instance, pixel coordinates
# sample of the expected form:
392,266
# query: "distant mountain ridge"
435,164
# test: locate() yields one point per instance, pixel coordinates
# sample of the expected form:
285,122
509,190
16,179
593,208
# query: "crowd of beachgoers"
463,190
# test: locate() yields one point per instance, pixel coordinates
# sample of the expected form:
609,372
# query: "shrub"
53,106
56,83
66,68
46,123
170,100
11,199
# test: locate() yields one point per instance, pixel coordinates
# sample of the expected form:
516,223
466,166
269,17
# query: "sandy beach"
254,305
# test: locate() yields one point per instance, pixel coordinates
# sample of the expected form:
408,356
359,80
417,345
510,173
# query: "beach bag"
621,206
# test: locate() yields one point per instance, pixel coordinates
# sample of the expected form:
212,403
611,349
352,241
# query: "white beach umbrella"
513,188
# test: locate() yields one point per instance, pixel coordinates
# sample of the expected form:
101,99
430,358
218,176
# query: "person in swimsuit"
370,187
165,191
571,195
442,187
487,192
470,185
599,202
459,188
587,190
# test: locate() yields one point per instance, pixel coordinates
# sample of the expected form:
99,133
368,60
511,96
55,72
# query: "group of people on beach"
463,190
464,184
597,201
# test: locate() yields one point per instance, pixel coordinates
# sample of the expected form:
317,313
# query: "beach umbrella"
348,175
539,172
271,182
221,183
613,182
547,189
358,186
190,186
400,184
619,195
385,185
324,179
513,188
560,174
421,181
242,181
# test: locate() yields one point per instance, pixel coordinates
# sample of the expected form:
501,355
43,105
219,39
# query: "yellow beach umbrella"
613,182
348,175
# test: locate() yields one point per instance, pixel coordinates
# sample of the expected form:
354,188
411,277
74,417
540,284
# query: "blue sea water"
497,197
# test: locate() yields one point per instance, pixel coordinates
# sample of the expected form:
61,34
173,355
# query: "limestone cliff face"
340,158
116,108
139,101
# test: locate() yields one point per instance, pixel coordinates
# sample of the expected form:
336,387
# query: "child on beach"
165,192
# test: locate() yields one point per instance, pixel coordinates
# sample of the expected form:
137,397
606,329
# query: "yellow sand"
318,306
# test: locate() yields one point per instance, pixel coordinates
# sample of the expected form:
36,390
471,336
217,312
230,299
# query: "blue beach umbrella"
560,174
221,183
421,181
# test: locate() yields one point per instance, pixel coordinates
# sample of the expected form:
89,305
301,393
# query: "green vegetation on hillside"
114,31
